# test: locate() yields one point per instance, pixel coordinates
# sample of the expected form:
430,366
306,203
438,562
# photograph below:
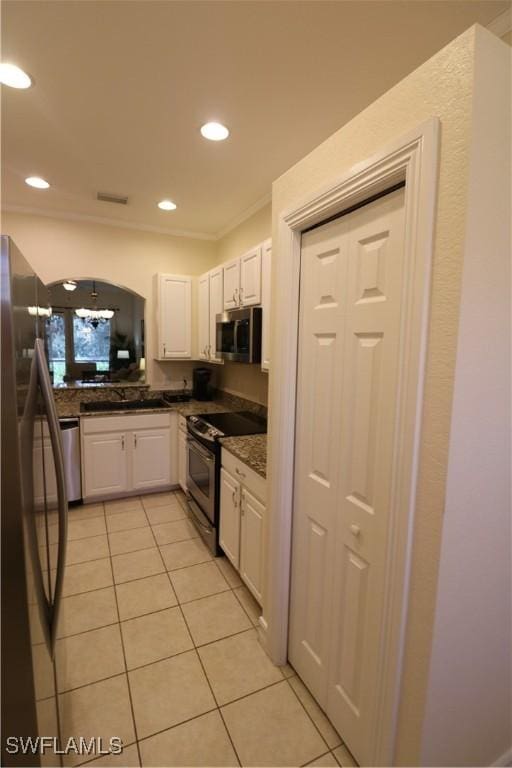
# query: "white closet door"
351,287
216,308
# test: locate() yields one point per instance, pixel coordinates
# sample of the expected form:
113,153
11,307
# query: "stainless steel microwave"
238,336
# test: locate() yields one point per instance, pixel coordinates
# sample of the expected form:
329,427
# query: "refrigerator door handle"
54,429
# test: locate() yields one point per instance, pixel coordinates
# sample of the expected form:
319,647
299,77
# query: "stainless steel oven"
201,477
238,335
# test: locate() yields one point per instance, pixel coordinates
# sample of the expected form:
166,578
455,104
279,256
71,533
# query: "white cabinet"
127,454
229,530
45,486
242,280
151,456
266,277
251,537
232,284
242,513
203,317
174,317
182,453
250,278
216,308
210,304
105,464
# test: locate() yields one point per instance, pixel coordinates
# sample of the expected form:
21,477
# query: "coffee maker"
202,389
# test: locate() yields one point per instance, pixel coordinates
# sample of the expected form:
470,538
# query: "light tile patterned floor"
158,646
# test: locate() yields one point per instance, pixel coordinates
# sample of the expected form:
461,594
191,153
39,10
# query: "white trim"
68,216
502,23
505,759
413,157
254,208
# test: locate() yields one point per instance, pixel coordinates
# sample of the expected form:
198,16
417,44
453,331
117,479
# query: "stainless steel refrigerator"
34,517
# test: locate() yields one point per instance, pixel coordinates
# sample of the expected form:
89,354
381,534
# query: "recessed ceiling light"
14,77
37,182
69,285
167,205
214,131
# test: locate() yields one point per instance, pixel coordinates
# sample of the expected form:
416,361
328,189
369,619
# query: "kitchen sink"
123,405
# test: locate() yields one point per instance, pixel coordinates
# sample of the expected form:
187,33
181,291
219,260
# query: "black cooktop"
235,424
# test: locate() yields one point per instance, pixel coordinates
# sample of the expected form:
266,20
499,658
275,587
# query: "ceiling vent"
106,198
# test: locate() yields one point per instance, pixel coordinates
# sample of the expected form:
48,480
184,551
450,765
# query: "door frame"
412,158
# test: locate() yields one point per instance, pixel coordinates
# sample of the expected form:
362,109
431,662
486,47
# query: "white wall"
59,248
468,717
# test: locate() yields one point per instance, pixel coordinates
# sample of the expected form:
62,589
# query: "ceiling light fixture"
13,76
214,131
167,205
37,182
69,285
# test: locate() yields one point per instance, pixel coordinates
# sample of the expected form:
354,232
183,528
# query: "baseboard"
505,759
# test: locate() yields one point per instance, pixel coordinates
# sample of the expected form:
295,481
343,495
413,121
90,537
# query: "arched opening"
95,333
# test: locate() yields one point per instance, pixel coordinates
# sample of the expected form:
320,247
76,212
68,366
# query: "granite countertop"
72,410
251,449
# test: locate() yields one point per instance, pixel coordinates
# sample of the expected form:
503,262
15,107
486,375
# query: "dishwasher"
70,434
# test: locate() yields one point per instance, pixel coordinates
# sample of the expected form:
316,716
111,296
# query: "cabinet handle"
240,474
165,351
122,443
355,530
234,498
241,297
234,295
134,440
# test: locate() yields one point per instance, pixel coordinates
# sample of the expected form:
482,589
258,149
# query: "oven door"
201,477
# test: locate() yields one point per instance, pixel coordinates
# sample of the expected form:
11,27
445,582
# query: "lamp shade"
142,364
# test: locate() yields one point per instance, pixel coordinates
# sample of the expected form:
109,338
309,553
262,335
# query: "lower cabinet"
105,464
126,454
241,520
182,454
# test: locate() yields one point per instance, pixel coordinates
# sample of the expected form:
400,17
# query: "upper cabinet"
203,317
266,269
242,280
174,317
210,304
232,284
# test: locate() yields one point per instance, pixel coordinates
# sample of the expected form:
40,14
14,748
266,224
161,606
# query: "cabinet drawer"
256,484
92,425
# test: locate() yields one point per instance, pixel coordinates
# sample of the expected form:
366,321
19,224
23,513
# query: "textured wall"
442,87
57,249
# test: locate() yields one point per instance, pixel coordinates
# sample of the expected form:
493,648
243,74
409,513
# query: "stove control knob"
193,419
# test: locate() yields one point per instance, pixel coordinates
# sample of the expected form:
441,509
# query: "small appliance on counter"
203,465
201,387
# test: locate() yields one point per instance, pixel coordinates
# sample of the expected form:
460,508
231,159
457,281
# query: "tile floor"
158,646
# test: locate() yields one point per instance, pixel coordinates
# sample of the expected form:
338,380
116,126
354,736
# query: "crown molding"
244,216
502,23
67,216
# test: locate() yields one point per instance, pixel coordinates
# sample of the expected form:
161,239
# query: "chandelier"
93,315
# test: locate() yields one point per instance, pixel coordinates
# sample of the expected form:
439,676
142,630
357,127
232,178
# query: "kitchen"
168,345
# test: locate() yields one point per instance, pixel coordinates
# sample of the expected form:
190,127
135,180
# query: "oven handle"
206,455
199,434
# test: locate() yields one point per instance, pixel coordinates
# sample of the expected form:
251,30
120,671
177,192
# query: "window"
92,345
56,340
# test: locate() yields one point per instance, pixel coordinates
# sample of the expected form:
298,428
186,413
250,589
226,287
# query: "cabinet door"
216,307
182,460
250,278
229,531
266,268
151,451
232,284
203,320
105,464
175,317
251,545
